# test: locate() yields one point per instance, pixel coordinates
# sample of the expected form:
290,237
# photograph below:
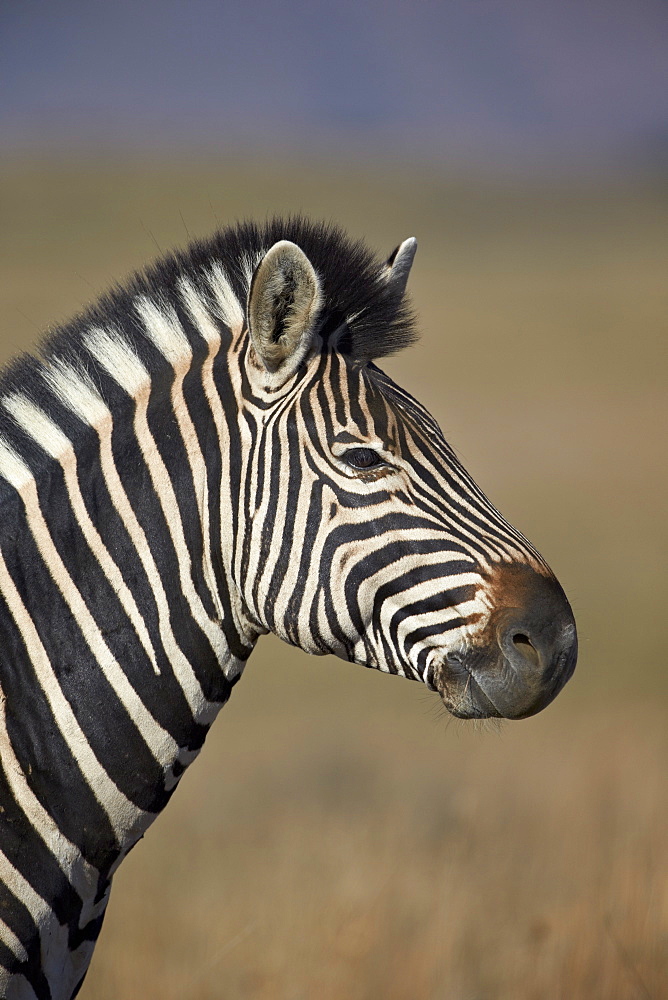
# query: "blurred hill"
543,85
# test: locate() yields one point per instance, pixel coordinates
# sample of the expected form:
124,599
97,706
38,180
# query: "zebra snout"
523,657
533,629
538,657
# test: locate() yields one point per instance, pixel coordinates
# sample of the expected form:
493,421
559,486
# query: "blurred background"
341,836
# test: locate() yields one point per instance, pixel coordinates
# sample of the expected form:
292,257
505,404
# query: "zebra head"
365,536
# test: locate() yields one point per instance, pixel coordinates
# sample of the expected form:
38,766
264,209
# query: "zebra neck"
122,630
123,534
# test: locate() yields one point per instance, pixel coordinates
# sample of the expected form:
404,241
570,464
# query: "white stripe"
82,877
9,938
230,310
82,398
62,969
159,742
211,334
117,358
125,818
123,815
37,907
166,333
49,436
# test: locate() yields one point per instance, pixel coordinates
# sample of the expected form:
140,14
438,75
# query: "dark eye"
362,458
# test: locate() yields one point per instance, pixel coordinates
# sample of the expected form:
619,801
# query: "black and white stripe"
173,485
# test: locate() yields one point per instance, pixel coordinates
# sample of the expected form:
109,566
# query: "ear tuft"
283,302
399,265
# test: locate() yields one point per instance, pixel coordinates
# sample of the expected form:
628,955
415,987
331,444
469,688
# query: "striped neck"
127,477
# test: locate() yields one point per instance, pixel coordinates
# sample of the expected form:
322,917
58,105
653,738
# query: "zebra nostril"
526,649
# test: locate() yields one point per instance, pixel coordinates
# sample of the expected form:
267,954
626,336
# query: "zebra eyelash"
362,459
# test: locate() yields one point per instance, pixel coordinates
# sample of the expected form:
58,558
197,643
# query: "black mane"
379,323
370,319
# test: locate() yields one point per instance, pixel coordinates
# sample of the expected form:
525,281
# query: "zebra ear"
399,265
283,301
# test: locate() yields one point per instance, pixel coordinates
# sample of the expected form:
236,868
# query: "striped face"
370,541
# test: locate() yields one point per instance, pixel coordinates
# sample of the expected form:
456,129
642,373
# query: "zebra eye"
362,458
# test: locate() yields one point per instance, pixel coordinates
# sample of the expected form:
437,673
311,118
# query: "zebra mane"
363,316
368,318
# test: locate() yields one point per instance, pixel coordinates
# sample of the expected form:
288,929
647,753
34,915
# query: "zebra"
208,454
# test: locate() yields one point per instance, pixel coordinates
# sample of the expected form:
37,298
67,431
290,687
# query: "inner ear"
283,302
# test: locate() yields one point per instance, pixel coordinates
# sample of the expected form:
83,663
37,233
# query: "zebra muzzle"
522,658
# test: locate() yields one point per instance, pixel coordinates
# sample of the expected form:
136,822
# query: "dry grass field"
340,836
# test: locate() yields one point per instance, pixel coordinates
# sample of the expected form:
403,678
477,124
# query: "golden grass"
338,838
351,846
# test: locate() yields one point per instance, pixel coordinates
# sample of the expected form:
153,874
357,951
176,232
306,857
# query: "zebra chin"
477,684
523,657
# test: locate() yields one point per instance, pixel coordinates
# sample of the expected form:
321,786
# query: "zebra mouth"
513,681
460,692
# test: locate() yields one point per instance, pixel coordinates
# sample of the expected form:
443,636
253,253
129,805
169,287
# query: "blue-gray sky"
576,81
